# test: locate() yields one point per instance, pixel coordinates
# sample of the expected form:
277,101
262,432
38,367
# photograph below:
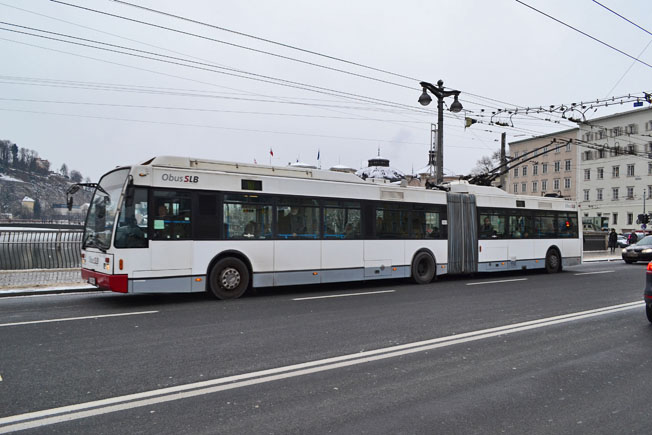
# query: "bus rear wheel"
553,261
229,278
423,268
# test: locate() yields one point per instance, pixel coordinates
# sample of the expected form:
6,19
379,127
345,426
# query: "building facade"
554,168
616,169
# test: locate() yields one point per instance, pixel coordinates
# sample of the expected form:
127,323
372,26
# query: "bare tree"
486,163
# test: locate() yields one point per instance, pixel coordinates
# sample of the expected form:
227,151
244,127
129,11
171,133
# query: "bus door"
171,245
462,233
297,248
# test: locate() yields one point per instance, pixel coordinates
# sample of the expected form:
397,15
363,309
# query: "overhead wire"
233,44
585,34
205,67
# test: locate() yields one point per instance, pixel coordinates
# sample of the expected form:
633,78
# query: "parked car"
639,251
622,241
647,293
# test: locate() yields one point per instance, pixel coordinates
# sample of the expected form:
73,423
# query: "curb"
48,290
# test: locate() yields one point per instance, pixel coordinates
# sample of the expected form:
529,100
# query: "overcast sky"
96,109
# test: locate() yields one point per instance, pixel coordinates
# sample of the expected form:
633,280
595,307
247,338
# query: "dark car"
647,293
641,251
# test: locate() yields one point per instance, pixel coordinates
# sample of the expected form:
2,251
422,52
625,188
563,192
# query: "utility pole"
503,160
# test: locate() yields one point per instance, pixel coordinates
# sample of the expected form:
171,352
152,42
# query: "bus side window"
172,215
341,223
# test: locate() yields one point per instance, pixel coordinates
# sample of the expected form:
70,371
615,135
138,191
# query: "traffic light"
640,219
646,218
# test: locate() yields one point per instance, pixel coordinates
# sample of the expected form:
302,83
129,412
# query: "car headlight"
624,250
647,251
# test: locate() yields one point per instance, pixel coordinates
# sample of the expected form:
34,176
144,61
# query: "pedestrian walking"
613,240
632,239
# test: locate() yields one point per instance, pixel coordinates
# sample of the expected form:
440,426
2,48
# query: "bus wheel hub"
230,278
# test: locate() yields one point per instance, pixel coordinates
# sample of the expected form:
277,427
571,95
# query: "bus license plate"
91,280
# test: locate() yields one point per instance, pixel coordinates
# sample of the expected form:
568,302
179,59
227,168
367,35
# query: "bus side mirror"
69,203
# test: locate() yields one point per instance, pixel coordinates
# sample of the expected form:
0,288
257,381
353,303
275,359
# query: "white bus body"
305,226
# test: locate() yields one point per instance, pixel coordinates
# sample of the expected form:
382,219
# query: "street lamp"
456,107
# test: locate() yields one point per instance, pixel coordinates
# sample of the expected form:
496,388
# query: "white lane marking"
492,282
344,295
99,316
147,398
594,273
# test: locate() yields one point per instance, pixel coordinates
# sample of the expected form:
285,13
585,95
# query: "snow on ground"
6,177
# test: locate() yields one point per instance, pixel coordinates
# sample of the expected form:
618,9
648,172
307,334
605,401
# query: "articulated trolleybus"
175,224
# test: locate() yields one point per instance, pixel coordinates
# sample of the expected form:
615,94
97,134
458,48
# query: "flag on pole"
255,162
271,153
318,152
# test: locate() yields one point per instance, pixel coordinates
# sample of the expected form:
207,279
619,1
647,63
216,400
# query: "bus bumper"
116,283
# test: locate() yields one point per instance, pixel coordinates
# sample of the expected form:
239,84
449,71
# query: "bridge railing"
47,249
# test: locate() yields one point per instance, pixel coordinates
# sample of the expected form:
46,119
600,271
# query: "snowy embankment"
5,177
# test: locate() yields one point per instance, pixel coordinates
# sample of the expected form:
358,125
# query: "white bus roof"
486,196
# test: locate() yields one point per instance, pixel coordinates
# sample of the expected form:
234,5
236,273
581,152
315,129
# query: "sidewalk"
590,256
41,281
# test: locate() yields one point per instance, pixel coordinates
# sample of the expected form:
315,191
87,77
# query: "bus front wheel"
423,268
553,261
229,278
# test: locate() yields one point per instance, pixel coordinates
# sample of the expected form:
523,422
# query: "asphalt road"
509,353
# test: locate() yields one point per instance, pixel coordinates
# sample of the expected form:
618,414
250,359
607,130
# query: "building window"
601,153
630,170
523,187
557,166
545,149
568,146
535,186
567,183
649,168
598,195
587,174
615,171
535,169
615,218
515,154
630,149
544,168
649,192
630,218
515,187
515,172
544,185
600,173
630,192
558,149
586,194
567,165
524,171
614,193
555,184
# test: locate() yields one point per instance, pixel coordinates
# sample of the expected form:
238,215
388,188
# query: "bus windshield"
102,210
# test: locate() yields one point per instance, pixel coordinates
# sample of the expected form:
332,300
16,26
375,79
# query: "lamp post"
424,100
